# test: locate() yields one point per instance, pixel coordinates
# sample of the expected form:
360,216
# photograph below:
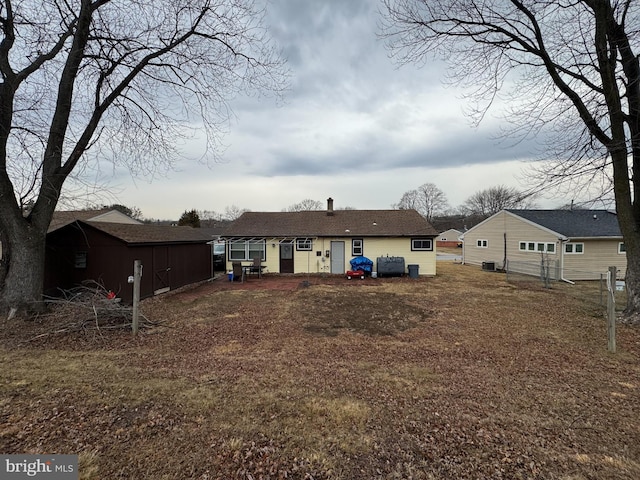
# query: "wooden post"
611,310
137,275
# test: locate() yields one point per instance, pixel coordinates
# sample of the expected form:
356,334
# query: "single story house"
576,244
105,252
449,238
322,241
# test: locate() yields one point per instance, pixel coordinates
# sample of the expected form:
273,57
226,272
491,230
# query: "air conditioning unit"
489,266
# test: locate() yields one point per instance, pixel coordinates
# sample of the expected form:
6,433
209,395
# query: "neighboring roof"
574,223
212,232
62,218
65,217
451,230
317,223
144,234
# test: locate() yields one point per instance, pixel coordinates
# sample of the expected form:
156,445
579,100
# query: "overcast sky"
353,126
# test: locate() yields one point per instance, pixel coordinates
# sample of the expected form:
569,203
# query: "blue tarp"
361,263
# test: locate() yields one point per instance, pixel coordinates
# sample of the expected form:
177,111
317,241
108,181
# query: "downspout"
562,243
504,260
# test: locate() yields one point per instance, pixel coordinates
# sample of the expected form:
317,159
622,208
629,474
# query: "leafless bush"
89,306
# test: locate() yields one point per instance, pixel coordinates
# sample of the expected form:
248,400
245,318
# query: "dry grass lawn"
461,376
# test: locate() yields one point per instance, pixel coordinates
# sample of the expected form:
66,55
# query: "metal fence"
547,273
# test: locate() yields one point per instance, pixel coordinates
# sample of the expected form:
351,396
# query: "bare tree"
91,81
305,205
571,67
233,212
428,200
492,200
209,218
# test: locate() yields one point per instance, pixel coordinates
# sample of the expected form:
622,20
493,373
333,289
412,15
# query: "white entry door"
337,257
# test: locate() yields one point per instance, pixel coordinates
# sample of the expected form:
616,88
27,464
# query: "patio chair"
238,273
256,267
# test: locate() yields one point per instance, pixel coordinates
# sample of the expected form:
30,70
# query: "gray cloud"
350,113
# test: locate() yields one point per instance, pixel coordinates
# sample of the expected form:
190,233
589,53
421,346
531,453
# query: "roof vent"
329,206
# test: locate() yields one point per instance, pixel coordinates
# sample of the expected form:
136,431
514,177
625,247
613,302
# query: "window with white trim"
537,247
481,243
574,248
304,244
622,248
422,244
357,247
247,250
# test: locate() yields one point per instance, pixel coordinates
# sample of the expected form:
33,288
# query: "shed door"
286,258
337,257
161,270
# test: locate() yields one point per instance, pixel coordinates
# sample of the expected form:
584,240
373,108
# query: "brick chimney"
329,206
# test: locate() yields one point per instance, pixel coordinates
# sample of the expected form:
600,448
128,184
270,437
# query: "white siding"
503,233
598,256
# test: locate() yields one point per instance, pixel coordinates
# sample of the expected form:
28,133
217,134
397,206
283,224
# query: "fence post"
137,275
611,310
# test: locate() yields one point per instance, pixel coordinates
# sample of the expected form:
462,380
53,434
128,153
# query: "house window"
304,244
622,248
247,250
424,244
537,247
80,260
357,247
573,248
480,243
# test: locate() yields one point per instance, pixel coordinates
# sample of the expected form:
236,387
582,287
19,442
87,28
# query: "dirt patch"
328,311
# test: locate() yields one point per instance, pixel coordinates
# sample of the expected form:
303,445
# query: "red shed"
84,250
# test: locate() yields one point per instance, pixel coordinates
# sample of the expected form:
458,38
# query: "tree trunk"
632,276
632,283
23,284
629,221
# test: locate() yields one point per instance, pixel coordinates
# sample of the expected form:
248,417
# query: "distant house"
65,217
449,238
325,241
578,244
105,252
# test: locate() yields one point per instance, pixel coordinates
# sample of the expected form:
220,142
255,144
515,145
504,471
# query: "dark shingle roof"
145,234
365,223
574,223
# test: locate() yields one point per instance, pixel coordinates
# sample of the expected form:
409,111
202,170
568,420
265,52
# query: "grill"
390,266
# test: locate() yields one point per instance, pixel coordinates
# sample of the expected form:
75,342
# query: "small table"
246,269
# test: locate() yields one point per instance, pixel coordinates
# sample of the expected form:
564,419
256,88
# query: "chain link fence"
548,274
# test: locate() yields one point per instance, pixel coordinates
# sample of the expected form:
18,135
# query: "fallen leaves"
462,376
